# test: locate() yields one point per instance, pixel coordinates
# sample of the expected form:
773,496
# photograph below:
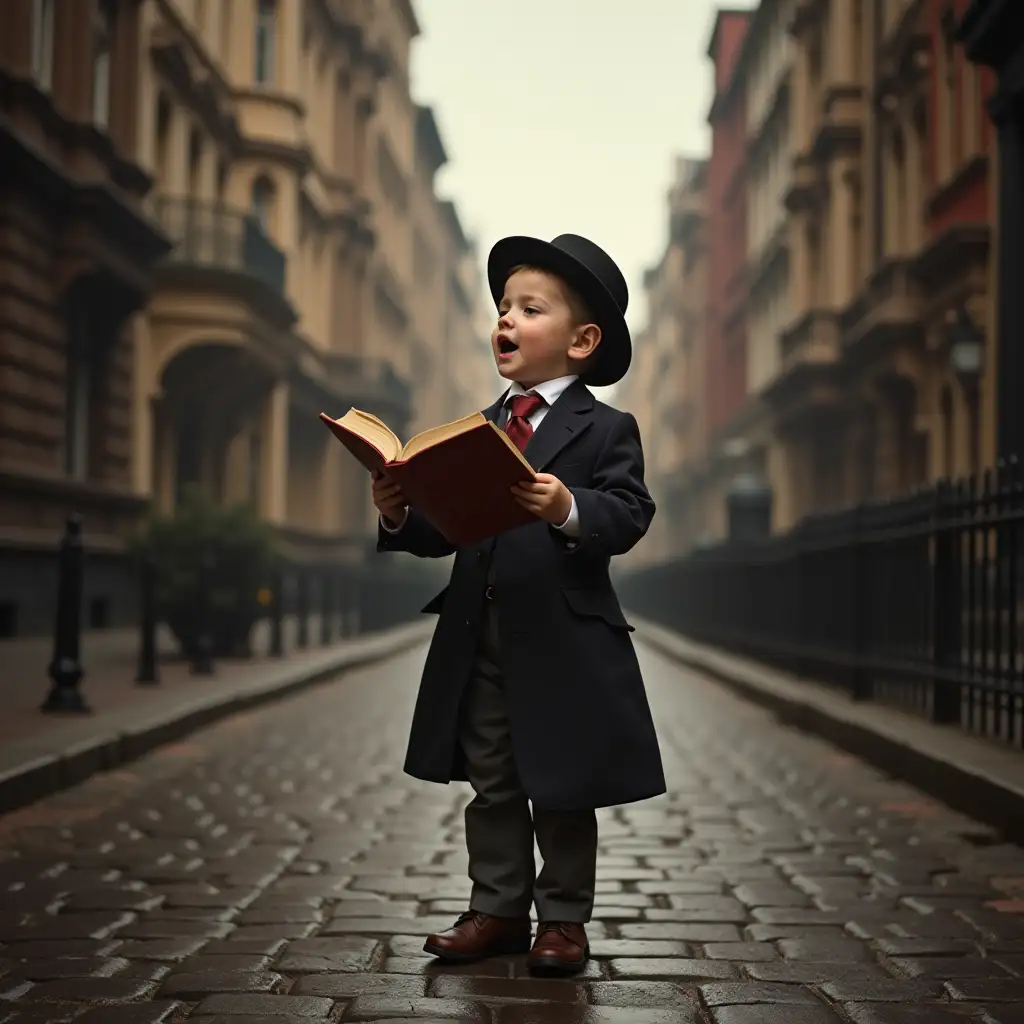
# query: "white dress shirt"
550,391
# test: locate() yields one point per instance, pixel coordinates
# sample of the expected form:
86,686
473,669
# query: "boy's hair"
580,311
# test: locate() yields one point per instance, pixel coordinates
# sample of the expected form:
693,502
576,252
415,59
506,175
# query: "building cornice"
725,96
408,13
428,138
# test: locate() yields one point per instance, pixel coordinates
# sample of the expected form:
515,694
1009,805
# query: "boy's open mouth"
507,347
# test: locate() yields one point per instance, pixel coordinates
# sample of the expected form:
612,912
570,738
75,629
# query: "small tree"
245,556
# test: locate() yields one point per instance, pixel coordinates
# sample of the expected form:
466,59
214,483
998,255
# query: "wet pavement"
279,867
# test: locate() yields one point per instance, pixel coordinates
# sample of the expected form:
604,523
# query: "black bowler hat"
592,273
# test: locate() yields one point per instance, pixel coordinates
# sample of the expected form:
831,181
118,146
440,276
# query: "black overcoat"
581,727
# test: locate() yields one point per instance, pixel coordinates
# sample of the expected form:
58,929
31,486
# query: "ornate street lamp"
966,349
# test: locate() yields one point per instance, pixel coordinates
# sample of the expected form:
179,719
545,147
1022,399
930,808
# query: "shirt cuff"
571,526
388,528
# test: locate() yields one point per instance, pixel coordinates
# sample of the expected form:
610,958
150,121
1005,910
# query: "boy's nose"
505,322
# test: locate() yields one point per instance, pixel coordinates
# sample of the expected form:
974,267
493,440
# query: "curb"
40,776
977,777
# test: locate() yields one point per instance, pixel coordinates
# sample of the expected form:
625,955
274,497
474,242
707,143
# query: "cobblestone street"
280,867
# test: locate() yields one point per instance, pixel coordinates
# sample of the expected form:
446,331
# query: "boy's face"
537,337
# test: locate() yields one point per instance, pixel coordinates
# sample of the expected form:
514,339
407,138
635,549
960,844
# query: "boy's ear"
585,342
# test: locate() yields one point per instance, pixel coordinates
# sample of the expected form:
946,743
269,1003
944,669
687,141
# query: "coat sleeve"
617,509
416,537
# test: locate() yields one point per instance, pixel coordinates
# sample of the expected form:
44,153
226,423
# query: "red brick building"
954,267
962,137
726,376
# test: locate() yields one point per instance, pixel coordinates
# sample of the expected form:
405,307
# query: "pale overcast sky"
565,115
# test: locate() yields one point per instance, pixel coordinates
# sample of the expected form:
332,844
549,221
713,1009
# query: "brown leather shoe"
561,947
475,936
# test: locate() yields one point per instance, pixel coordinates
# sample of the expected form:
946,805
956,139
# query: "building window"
80,381
263,202
104,19
42,42
266,38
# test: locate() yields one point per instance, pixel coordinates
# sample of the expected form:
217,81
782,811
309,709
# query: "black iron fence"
324,603
914,602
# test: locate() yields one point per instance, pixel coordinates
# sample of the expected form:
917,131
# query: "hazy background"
564,115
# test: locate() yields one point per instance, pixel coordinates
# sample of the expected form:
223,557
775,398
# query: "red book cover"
458,476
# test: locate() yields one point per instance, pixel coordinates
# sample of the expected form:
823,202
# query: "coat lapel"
564,420
493,411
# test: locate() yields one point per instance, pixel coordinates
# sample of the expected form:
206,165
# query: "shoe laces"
554,926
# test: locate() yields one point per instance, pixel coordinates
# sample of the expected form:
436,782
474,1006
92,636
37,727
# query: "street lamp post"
65,667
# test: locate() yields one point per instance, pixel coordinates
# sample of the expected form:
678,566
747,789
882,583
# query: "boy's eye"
530,309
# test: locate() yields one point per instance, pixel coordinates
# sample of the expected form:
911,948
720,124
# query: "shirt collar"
549,390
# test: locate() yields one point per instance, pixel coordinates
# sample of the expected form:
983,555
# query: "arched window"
265,42
263,194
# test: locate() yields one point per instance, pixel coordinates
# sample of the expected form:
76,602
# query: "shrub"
243,553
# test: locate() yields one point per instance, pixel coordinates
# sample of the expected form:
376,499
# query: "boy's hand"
546,496
388,499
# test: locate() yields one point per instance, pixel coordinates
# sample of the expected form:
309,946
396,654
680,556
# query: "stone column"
274,474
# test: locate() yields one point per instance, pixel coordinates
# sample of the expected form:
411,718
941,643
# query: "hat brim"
615,351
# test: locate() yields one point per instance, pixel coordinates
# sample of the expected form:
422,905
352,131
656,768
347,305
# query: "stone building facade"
249,178
666,385
78,252
892,253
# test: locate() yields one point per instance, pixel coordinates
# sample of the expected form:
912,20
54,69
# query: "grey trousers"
500,828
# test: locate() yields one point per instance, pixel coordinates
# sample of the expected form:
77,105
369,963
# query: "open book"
458,475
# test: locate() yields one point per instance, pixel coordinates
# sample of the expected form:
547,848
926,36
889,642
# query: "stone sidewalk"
279,867
109,659
41,752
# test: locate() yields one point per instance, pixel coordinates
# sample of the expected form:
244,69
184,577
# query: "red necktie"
520,409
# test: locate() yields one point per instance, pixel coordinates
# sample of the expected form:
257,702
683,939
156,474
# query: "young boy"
531,689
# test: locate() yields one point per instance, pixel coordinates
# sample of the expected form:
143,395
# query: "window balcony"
888,311
212,237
